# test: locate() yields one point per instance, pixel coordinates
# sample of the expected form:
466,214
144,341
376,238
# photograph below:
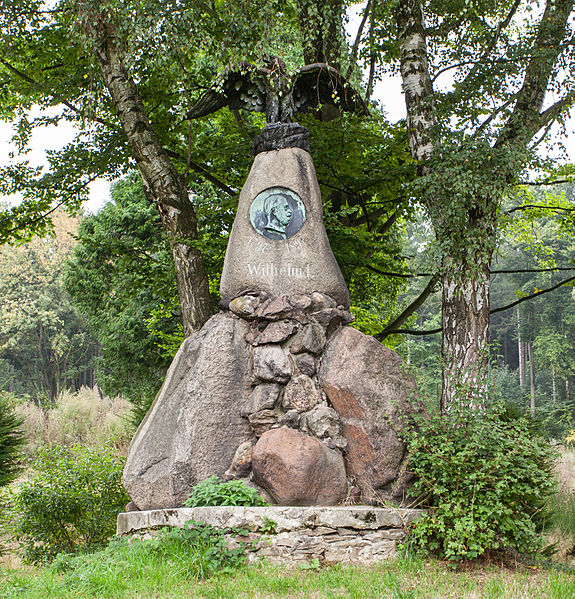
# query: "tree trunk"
465,321
163,184
531,377
521,351
554,385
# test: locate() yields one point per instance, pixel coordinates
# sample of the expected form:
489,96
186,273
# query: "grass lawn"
123,571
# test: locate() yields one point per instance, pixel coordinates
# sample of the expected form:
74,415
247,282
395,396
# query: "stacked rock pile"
296,453
280,392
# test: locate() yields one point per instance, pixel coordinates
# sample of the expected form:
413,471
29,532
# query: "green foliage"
11,440
212,491
83,418
484,476
43,337
120,275
71,502
201,549
167,563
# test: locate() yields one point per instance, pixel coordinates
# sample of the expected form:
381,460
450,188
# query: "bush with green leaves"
70,503
485,476
11,440
213,491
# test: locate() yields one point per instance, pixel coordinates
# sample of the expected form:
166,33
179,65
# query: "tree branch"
528,297
397,322
355,47
527,206
386,332
201,169
493,43
57,97
526,118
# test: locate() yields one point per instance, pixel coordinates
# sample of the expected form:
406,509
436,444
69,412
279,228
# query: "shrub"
11,440
71,503
212,491
485,476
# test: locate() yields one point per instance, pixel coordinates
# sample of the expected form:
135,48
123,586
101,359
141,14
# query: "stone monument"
276,389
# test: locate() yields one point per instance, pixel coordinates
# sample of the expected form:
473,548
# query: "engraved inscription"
289,270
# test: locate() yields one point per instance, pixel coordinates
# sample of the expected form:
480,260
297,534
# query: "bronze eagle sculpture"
269,89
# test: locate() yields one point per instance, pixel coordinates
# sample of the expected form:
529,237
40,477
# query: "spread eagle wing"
244,88
319,84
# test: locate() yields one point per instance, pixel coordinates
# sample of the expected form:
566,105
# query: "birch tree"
509,67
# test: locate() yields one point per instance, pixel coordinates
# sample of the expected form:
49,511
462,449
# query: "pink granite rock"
296,469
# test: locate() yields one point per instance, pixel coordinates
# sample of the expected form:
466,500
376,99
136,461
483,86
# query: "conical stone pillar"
278,242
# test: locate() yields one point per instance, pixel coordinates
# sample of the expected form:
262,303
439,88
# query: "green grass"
139,570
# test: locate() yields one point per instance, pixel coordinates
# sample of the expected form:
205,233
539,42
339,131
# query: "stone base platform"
357,534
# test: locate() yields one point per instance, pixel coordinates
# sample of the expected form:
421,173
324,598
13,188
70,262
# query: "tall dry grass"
83,418
562,507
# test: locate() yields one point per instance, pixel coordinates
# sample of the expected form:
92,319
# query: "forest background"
456,197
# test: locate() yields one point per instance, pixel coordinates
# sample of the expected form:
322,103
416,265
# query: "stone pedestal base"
358,534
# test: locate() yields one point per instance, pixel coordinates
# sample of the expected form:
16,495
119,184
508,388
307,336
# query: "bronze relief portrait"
277,213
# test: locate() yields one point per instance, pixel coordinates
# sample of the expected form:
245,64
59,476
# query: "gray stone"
319,301
271,364
301,302
301,394
336,442
245,306
311,340
301,264
192,430
297,469
323,422
329,318
290,419
241,465
275,308
305,363
276,332
262,421
263,397
367,386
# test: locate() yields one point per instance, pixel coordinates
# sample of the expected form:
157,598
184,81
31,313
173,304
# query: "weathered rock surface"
276,332
367,387
194,427
262,421
311,339
263,397
297,469
305,363
245,306
301,264
323,422
271,364
301,394
241,465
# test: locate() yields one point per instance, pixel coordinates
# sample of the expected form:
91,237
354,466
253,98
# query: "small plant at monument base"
484,475
212,491
202,549
70,503
268,526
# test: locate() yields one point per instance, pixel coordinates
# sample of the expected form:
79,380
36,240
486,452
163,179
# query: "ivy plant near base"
71,503
484,475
